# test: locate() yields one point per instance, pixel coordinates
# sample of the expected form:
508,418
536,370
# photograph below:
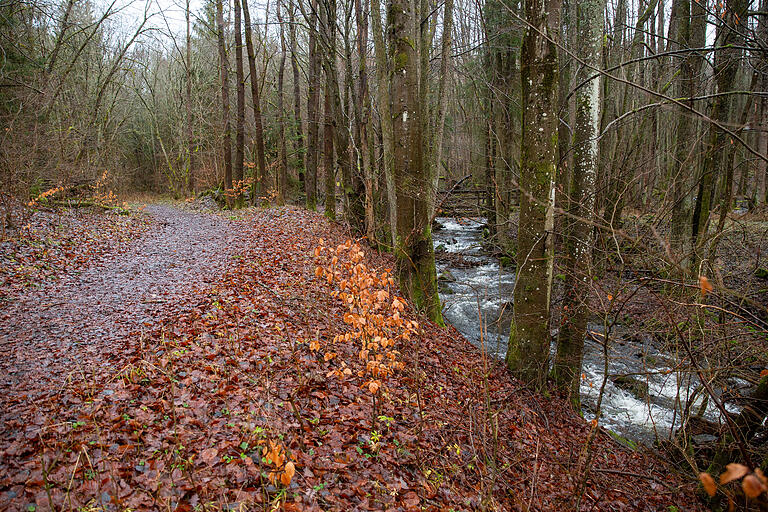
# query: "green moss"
400,61
623,440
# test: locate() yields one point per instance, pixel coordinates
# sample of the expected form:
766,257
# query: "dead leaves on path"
48,243
225,402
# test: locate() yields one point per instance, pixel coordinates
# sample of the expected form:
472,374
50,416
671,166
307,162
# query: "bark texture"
529,338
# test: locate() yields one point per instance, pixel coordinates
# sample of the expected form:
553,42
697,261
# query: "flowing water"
643,393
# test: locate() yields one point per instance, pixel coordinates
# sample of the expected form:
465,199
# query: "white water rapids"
474,289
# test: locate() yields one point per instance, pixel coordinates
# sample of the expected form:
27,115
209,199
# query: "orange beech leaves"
752,483
373,312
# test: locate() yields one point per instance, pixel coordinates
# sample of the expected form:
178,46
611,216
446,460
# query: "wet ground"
49,335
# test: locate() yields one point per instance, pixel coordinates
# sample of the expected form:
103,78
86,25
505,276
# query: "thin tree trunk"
261,167
298,124
237,170
383,75
682,160
188,105
435,146
579,227
282,177
330,174
313,102
60,37
227,130
726,67
362,116
761,172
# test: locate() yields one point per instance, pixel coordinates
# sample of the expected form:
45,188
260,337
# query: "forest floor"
168,360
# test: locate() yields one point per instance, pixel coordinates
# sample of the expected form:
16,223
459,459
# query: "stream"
643,394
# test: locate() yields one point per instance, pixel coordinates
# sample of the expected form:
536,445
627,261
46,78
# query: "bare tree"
224,65
581,202
313,107
240,118
261,166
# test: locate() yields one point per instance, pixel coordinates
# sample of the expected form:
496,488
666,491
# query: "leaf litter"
183,373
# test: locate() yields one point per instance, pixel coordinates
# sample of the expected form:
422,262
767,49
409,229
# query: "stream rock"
635,386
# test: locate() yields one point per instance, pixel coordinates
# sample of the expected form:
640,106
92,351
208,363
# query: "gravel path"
80,324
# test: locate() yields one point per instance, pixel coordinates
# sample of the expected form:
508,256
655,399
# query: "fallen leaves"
222,397
753,487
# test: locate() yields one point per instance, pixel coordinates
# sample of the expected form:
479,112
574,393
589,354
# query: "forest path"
84,320
154,379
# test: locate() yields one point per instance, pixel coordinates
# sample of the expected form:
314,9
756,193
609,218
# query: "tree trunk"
298,125
383,75
726,67
240,120
362,116
330,174
282,176
188,105
682,160
529,338
436,144
414,252
261,167
227,130
313,107
581,207
761,172
504,41
761,64
352,186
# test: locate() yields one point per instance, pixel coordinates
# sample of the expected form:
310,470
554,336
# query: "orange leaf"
764,373
373,386
318,271
752,486
733,472
288,473
708,482
705,285
761,476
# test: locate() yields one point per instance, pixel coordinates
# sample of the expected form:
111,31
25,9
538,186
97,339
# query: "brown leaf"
752,486
733,472
705,285
708,482
209,456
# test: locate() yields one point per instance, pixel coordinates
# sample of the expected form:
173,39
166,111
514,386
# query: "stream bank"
645,391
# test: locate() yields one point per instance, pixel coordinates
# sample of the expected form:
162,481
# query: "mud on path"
81,324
